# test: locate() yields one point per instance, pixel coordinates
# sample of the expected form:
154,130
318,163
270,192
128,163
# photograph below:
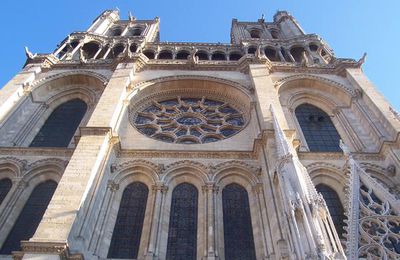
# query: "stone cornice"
243,155
46,248
36,151
331,156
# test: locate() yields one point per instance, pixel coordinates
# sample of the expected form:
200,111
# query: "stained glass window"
5,186
318,129
189,120
182,233
238,231
335,207
61,125
128,227
30,217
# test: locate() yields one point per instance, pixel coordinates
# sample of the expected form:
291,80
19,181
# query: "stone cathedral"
118,145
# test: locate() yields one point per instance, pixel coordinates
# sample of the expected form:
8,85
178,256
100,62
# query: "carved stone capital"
21,184
161,187
112,186
46,248
210,187
257,188
336,111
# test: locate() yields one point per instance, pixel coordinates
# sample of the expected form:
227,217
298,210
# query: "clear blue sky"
350,27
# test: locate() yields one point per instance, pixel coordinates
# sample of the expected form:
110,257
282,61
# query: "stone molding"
281,82
46,248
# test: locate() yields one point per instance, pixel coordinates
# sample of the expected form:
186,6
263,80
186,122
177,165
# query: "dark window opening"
334,206
238,230
313,47
128,227
285,54
30,217
103,52
182,55
235,56
61,125
218,56
90,49
271,54
202,55
255,34
182,233
297,53
318,129
136,32
133,48
165,55
252,50
115,31
117,50
5,187
149,54
274,34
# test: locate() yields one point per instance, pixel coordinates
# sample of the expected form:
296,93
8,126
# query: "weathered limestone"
226,114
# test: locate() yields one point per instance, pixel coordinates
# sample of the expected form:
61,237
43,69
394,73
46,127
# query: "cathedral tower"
120,146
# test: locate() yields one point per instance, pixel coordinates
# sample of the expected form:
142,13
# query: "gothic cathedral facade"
120,146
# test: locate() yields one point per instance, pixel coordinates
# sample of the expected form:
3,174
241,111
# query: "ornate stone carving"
111,185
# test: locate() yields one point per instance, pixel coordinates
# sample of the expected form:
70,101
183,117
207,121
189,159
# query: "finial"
29,54
262,17
131,17
362,59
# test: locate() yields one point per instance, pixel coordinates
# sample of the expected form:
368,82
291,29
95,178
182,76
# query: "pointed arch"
182,232
30,217
238,231
56,132
335,207
5,187
318,129
127,233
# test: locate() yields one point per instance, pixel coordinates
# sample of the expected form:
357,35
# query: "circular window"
189,120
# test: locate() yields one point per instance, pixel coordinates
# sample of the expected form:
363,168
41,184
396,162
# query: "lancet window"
128,227
61,125
30,217
318,129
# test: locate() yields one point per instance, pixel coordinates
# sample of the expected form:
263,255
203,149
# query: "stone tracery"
189,120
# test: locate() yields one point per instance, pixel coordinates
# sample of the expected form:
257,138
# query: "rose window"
189,120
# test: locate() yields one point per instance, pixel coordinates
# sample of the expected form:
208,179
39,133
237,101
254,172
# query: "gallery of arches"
118,145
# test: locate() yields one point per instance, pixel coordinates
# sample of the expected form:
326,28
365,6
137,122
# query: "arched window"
165,55
251,50
202,55
149,54
235,56
90,49
125,240
335,207
182,233
297,53
255,34
271,54
218,56
61,125
30,217
318,129
182,55
5,187
238,231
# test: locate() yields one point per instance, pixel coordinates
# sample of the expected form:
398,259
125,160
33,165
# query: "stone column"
14,90
92,150
160,189
267,96
211,190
